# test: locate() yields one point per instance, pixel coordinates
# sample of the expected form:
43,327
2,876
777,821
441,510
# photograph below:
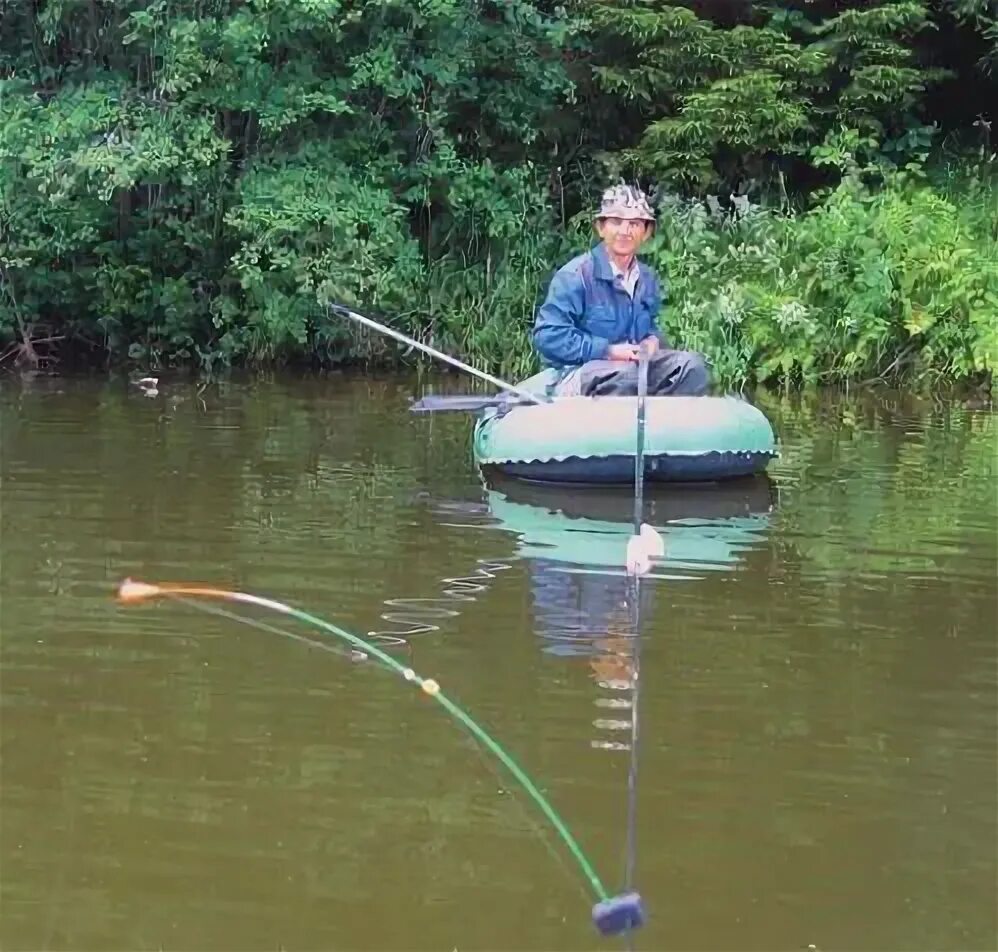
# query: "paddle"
464,402
525,395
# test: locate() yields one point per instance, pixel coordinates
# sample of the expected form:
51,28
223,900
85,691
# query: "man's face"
622,236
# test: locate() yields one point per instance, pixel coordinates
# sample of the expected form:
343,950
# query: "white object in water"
653,541
637,560
642,548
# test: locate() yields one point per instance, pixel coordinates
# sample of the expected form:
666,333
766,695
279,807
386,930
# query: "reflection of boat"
703,526
742,497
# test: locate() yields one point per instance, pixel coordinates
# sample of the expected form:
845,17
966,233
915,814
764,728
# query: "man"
603,305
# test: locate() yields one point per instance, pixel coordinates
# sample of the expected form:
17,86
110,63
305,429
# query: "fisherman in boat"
603,306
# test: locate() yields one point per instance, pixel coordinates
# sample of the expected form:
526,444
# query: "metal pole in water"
635,580
632,773
639,456
433,352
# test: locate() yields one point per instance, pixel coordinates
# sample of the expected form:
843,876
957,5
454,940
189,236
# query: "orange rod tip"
130,592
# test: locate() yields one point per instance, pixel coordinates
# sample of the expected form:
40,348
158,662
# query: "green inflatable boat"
594,439
528,434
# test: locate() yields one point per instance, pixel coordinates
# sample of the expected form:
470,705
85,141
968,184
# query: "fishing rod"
610,914
440,355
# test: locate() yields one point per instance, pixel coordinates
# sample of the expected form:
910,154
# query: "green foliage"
191,181
718,104
310,231
82,258
899,278
982,16
488,311
180,181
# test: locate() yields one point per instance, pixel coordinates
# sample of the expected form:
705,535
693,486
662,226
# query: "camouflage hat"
625,201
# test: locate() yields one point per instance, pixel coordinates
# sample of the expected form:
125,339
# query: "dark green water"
818,670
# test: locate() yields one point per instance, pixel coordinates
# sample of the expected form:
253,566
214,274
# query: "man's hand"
625,352
651,345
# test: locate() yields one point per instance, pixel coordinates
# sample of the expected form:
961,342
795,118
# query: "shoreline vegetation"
187,183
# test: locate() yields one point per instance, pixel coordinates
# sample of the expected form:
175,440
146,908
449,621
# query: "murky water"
818,704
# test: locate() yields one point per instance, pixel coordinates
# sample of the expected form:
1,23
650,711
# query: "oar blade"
462,403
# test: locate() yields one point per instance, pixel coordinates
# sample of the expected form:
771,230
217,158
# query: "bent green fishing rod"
607,912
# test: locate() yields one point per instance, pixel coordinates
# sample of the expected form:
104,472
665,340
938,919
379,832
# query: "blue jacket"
585,312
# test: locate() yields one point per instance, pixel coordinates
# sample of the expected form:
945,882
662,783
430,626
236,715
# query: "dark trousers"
677,373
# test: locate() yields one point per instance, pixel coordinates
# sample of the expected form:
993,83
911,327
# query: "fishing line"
132,592
419,614
543,833
209,609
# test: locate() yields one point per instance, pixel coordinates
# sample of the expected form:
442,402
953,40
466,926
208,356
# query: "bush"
870,281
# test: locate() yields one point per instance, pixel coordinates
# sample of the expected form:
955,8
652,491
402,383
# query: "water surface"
817,755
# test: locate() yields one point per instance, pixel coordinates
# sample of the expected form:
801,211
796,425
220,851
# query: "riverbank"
886,277
190,184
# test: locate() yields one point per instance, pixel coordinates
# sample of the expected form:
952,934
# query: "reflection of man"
588,615
613,660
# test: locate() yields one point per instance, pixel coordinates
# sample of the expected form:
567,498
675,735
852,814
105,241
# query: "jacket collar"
602,268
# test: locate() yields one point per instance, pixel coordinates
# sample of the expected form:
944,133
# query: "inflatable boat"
594,439
530,434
